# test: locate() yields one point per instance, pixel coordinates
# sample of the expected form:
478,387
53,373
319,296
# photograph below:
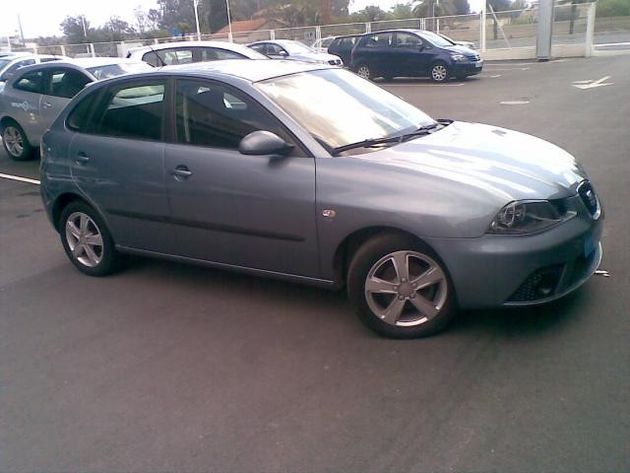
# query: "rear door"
376,51
118,163
22,99
62,84
230,208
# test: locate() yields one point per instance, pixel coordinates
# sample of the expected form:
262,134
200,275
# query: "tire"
364,71
15,142
88,243
390,305
439,72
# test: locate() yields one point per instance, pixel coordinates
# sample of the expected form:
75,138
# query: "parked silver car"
185,52
294,50
312,174
34,95
11,62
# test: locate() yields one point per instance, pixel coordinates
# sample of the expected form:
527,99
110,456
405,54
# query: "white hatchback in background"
11,62
294,50
185,52
34,95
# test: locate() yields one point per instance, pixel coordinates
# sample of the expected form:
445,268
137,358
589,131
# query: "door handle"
81,158
182,172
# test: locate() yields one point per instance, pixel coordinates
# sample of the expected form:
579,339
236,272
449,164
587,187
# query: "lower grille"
539,285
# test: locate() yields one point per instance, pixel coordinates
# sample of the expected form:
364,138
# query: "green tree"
72,27
613,8
370,13
401,11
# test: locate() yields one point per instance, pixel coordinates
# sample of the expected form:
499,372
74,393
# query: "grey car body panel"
267,214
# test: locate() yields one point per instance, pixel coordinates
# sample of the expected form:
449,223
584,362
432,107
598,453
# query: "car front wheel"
439,72
399,288
15,142
86,240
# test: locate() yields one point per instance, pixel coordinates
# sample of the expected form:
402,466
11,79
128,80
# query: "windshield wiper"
420,131
366,144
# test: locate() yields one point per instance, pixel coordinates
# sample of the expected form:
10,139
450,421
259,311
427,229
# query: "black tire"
363,70
15,141
109,260
439,72
440,295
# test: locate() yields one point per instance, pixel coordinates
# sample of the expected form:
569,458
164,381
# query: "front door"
118,163
411,59
249,211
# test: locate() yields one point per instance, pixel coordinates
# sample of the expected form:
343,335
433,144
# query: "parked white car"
184,52
11,62
294,50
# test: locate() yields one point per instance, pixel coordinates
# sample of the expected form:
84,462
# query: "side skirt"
324,283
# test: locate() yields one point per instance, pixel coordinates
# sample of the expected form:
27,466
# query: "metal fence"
506,29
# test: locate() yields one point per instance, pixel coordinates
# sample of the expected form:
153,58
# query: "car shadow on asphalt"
529,322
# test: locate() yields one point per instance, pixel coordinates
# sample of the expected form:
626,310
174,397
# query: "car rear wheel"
439,72
15,142
86,240
364,71
400,288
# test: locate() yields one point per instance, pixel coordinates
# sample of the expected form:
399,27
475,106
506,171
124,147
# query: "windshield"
295,47
339,108
114,70
437,40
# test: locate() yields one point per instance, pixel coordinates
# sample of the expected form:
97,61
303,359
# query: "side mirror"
421,47
283,53
264,143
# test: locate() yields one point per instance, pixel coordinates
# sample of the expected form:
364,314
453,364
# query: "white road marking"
592,84
19,178
423,85
514,102
611,44
511,69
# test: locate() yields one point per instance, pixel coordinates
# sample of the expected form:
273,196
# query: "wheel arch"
351,243
61,202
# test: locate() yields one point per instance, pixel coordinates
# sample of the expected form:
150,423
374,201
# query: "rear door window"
379,40
33,82
133,111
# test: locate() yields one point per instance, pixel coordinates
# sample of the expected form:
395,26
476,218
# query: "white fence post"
63,49
482,28
272,34
590,30
92,51
368,27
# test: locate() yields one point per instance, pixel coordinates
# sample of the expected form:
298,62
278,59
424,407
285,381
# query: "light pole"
196,4
84,28
227,8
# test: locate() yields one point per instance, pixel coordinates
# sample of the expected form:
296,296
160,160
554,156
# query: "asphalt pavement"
166,367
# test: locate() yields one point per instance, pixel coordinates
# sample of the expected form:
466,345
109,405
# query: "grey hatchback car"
311,174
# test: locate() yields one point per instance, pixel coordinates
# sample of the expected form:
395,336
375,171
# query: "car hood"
315,57
461,50
496,164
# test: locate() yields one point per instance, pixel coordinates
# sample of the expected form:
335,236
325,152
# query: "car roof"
252,71
101,61
177,44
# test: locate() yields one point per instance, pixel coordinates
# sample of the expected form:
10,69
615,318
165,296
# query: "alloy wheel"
84,239
406,288
13,141
364,72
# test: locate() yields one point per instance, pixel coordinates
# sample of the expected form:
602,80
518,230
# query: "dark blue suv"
412,53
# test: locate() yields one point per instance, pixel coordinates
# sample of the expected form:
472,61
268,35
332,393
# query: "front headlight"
522,217
458,57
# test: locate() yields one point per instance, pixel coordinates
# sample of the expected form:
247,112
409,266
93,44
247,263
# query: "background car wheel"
439,72
15,142
364,71
400,288
86,240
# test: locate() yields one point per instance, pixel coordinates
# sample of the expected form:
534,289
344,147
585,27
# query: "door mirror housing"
264,143
420,47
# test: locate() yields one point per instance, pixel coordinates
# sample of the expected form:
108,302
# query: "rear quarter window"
78,119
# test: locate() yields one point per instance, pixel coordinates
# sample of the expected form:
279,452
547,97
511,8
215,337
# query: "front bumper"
501,270
467,68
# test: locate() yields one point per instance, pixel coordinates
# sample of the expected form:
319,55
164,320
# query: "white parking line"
511,69
514,102
423,85
19,178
